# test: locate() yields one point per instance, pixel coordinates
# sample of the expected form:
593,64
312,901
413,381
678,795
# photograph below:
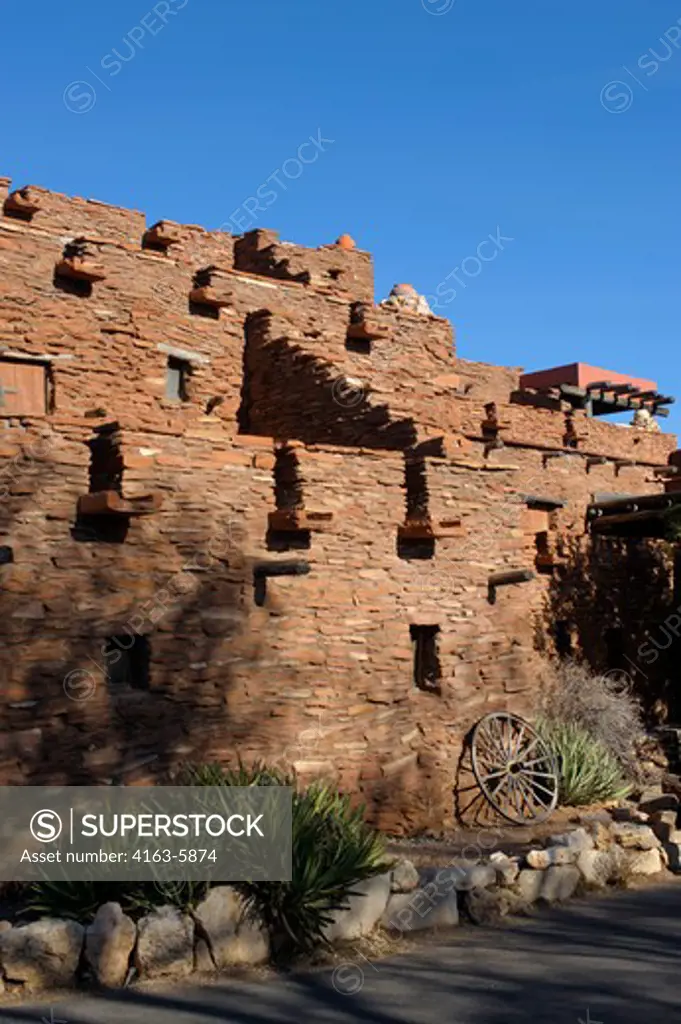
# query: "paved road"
615,960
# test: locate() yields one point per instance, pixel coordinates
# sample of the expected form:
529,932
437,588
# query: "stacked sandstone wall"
283,418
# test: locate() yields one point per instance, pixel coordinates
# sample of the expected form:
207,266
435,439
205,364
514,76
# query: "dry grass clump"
602,705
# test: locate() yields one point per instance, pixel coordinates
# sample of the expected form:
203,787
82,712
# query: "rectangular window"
23,388
177,376
127,662
427,674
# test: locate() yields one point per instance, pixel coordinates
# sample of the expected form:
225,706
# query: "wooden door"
23,388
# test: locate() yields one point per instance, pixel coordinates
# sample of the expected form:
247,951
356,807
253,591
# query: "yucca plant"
588,772
333,850
80,900
256,774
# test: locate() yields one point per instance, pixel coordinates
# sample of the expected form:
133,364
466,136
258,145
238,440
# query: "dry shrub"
602,705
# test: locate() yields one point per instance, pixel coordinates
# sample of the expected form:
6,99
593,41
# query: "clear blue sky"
448,120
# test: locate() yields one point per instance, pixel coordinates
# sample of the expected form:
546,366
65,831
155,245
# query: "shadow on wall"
612,602
78,711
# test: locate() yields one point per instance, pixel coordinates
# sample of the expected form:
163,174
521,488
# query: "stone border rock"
616,847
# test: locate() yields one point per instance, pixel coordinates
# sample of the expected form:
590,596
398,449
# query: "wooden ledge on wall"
365,323
111,503
79,263
25,202
294,519
428,529
508,578
214,287
162,235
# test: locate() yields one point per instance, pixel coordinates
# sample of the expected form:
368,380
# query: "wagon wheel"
514,768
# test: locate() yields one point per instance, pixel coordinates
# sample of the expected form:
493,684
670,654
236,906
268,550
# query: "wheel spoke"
527,796
513,768
531,745
538,785
521,733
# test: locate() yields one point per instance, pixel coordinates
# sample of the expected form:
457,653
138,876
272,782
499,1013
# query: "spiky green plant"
80,900
333,850
588,772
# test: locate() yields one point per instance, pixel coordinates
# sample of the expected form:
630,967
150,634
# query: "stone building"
247,512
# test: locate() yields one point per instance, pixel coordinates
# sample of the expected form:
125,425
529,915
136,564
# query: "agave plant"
589,772
80,900
333,850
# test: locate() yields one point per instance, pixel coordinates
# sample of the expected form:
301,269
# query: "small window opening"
360,346
289,540
288,497
416,488
413,549
335,274
411,545
427,672
543,561
288,485
127,662
106,474
177,377
106,461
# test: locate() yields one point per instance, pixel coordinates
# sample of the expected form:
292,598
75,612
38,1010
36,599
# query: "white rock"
109,942
477,876
644,862
579,839
559,883
411,912
165,944
404,877
555,856
596,866
43,954
233,936
486,906
529,885
539,860
556,883
507,868
633,836
363,911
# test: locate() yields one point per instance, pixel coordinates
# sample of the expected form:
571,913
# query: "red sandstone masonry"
320,675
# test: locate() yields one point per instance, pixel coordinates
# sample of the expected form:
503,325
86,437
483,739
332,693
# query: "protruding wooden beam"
111,503
292,567
543,503
504,579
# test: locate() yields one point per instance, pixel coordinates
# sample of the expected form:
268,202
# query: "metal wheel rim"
514,768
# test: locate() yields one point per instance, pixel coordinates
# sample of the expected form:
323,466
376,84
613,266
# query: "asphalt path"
612,960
